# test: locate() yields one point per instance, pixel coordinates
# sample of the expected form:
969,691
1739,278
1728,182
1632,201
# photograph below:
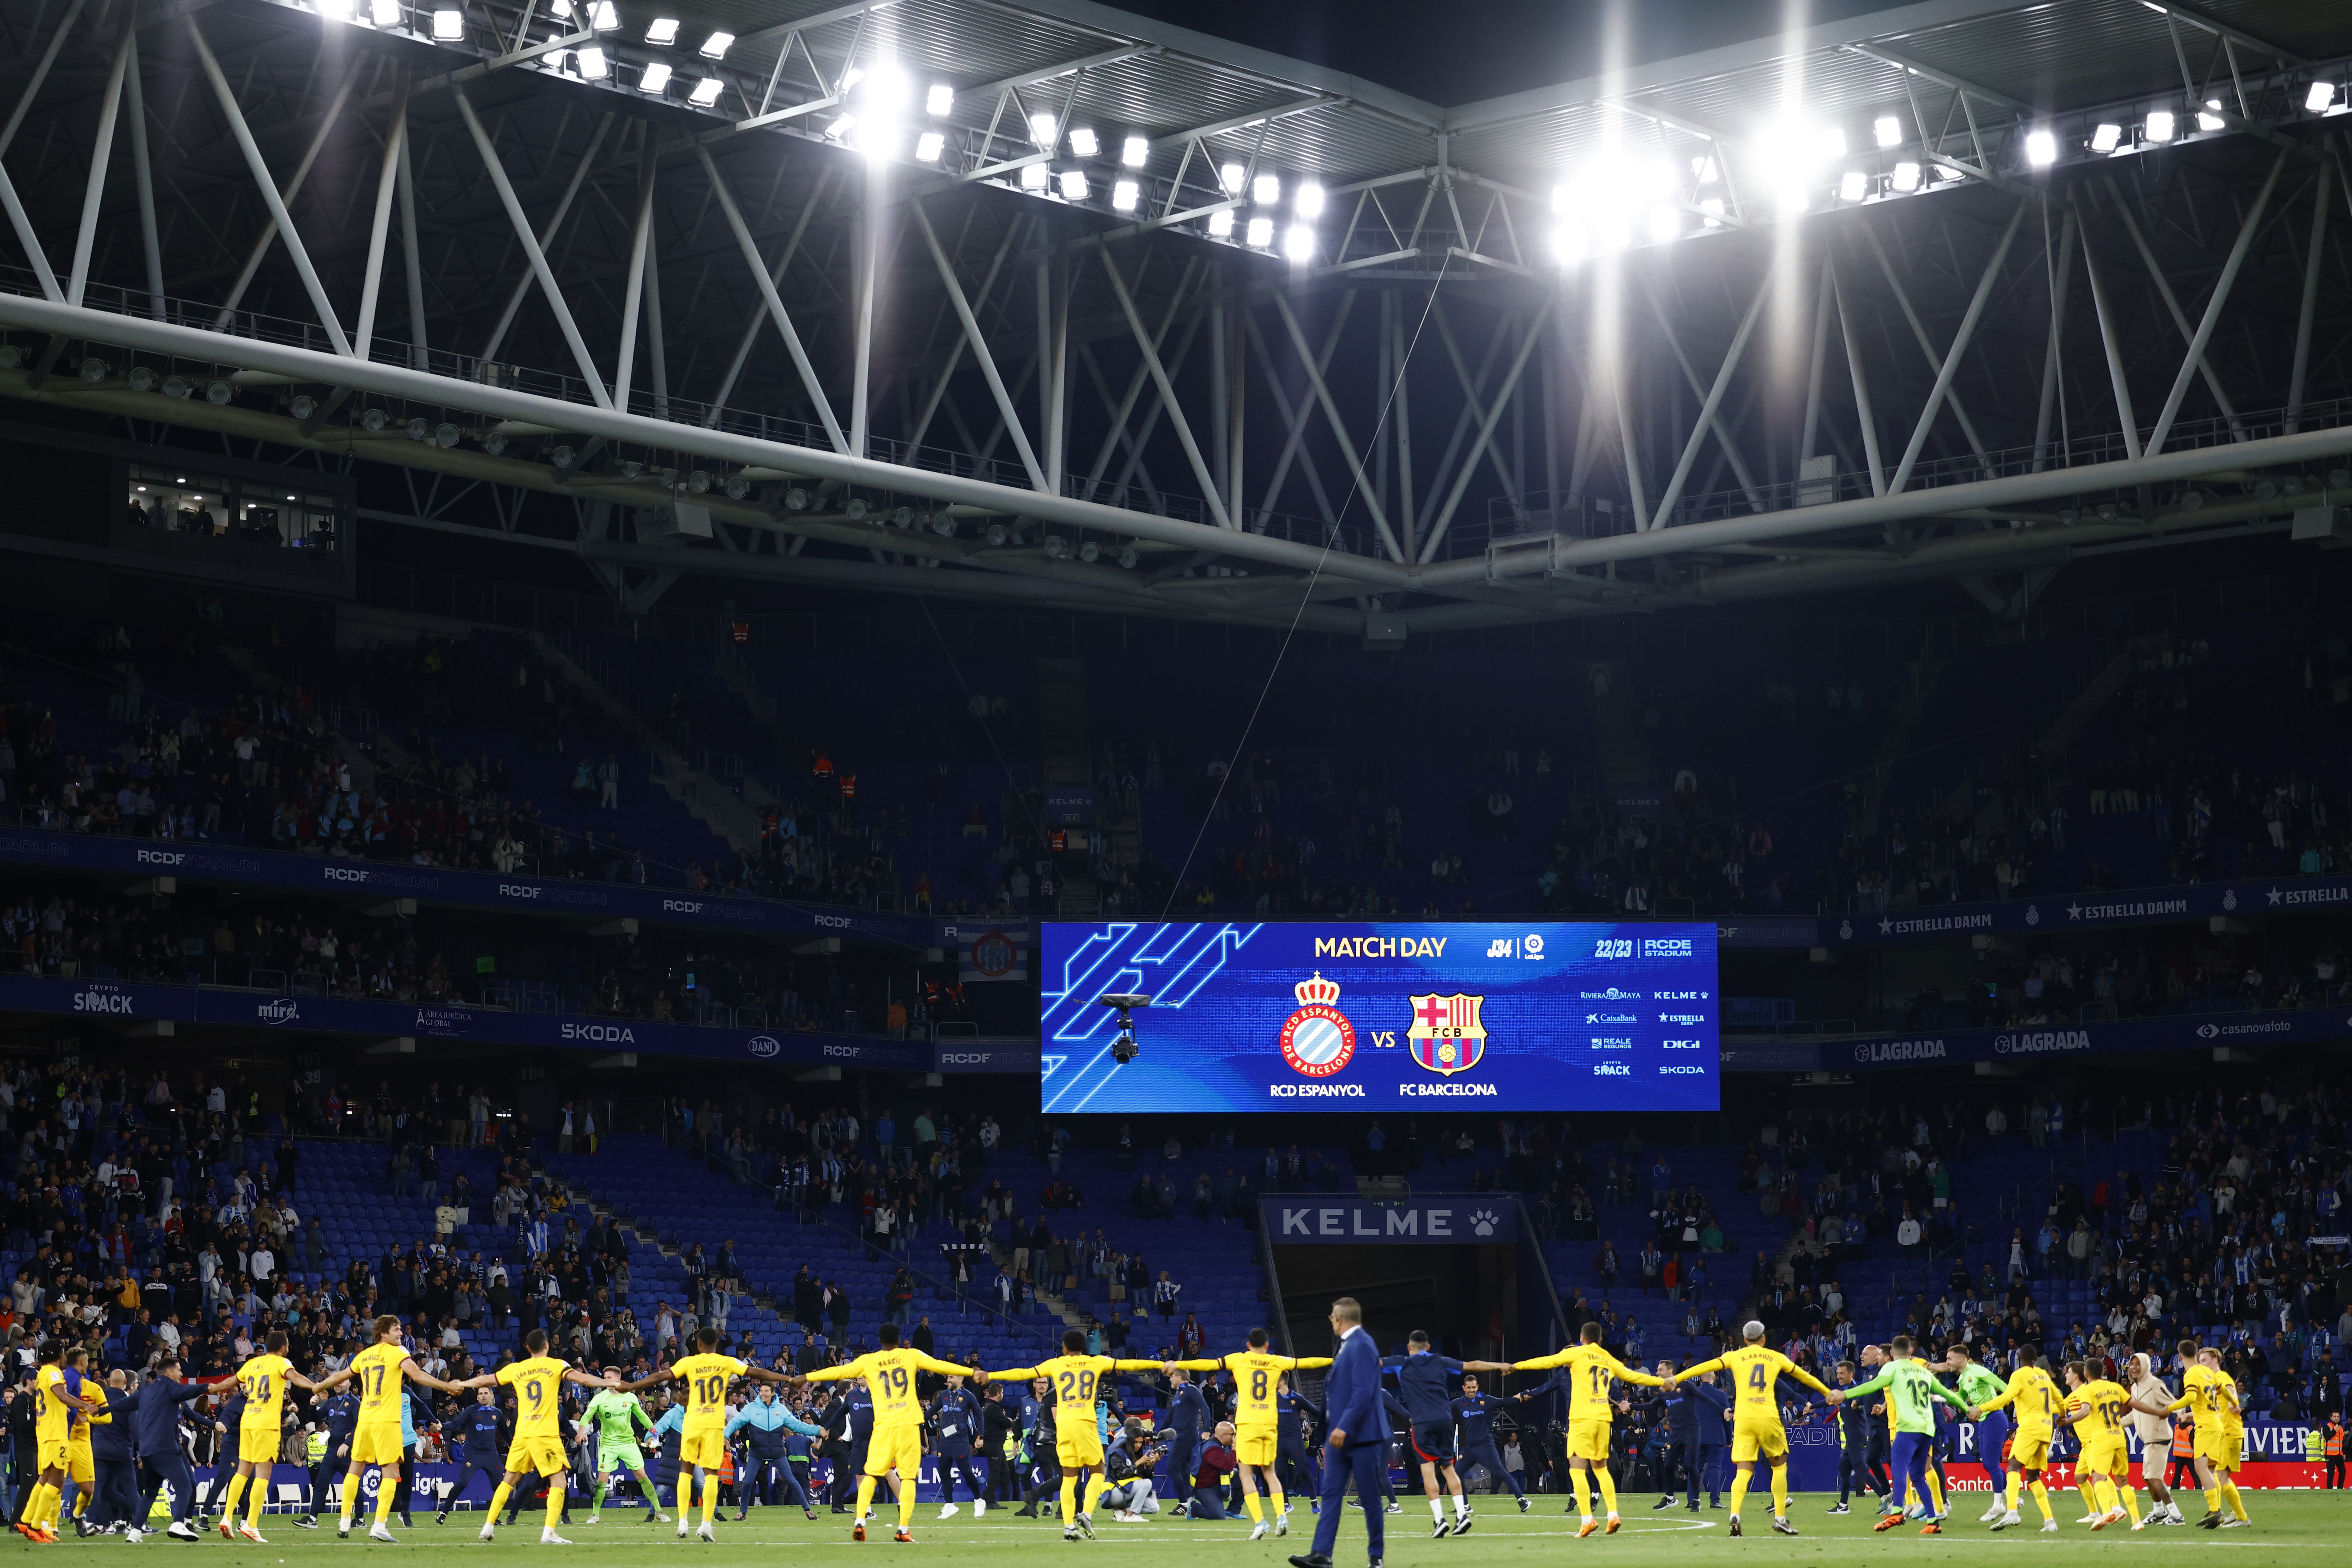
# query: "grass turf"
2302,1529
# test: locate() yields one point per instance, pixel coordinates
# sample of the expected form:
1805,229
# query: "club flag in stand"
991,952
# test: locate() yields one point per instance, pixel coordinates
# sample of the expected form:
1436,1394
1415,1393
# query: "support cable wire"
1330,537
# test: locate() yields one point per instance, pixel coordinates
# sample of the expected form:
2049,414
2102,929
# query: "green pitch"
2294,1530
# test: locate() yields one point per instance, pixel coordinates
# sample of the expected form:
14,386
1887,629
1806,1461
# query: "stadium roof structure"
1041,302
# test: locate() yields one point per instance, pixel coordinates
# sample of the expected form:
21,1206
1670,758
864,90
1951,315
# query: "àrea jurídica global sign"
1394,1017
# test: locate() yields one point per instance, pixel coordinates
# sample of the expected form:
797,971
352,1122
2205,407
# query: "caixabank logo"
1317,1040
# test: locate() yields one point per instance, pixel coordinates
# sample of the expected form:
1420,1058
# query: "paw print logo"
1482,1222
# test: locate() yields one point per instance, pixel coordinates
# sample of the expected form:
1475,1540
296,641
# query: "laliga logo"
1317,1040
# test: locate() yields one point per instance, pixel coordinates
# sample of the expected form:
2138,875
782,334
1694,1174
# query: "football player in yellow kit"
262,1381
1756,1426
53,1411
537,1446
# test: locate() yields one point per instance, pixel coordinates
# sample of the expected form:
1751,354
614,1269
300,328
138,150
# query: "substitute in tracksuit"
154,1420
110,1440
955,1427
226,1423
1293,1456
760,1428
1188,1418
1474,1437
1694,1420
479,1433
848,1423
1424,1387
343,1417
1859,1432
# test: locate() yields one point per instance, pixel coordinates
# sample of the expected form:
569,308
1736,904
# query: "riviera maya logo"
1317,1040
1482,1222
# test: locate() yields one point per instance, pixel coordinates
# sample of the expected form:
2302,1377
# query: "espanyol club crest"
1446,1035
1317,1040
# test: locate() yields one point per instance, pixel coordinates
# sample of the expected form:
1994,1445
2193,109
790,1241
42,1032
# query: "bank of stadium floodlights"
1039,302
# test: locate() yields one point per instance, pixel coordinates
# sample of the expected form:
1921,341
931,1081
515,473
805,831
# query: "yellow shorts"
1080,1449
2106,1456
536,1455
376,1445
1589,1439
1752,1435
78,1463
2234,1450
2030,1450
54,1452
259,1443
706,1450
1257,1446
897,1448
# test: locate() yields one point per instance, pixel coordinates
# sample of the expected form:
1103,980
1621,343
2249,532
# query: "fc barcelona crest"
1447,1034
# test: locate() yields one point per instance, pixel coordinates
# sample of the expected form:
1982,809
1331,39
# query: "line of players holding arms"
1585,1372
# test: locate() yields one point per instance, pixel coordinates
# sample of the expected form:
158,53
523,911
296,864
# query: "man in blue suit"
1358,1446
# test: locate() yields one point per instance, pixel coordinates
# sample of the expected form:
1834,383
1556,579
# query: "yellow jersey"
262,1381
2105,1401
1257,1383
705,1379
537,1384
1754,1370
889,1376
376,1370
2209,1393
2233,1411
1075,1377
2036,1398
1589,1370
51,1413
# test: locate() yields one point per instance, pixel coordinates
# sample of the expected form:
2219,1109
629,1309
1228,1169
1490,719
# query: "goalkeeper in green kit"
1912,1393
617,1418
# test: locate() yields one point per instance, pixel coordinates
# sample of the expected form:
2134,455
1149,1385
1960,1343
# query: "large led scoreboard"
1387,1016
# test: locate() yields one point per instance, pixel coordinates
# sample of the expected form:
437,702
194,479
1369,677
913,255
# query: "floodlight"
663,31
562,8
1889,130
335,10
706,92
2209,120
1134,151
929,146
2041,149
1713,207
715,47
1853,186
602,17
2321,97
1128,557
448,26
1832,141
1221,222
1298,241
1035,176
1261,233
1074,184
1704,171
1090,552
1906,176
1230,176
886,87
1056,548
1125,195
2106,138
1266,190
1043,128
386,14
939,100
1665,224
592,66
1308,201
2159,125
842,126
1085,142
655,76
